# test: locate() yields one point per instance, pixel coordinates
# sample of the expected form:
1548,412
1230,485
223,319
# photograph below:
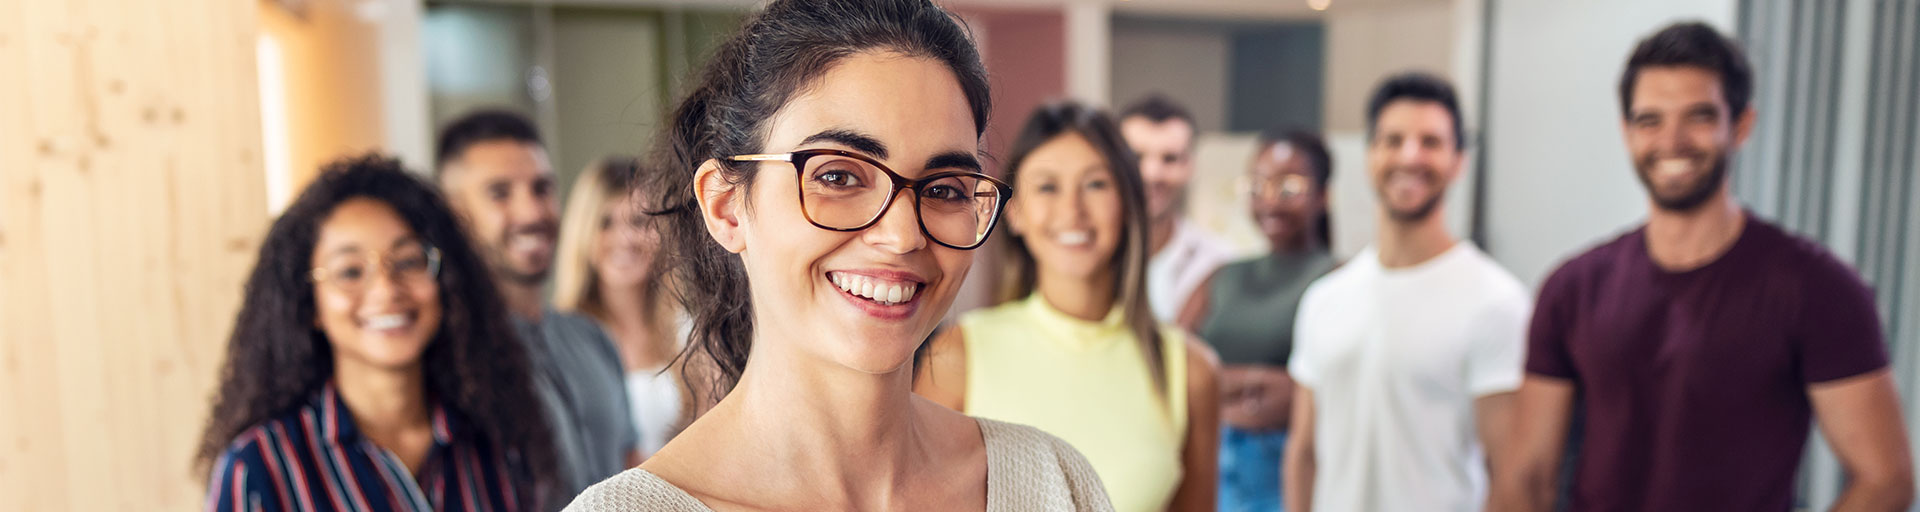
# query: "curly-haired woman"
371,366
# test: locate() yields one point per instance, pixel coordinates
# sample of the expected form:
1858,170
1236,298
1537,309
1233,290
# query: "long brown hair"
1129,262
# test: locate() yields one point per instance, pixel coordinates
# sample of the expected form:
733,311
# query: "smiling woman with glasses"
370,367
1246,311
820,193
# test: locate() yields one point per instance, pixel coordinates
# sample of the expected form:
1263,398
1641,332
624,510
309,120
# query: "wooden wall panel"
131,201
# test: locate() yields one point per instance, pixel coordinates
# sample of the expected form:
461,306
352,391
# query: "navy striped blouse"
313,458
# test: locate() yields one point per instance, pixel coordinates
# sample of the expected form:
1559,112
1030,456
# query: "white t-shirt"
1395,358
1179,268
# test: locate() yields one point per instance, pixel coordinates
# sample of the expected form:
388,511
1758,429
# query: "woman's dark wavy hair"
277,358
1319,167
750,77
1052,121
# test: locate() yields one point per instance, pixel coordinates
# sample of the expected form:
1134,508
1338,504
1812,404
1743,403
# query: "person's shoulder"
1596,260
572,323
1342,276
635,489
1213,244
1494,278
1237,266
253,443
266,439
1052,475
1003,438
578,328
1790,254
1795,250
974,321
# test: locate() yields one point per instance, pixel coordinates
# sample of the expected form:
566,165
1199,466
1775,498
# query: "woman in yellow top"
1073,348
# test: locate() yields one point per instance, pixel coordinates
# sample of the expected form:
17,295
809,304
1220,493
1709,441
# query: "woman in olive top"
1074,349
1246,312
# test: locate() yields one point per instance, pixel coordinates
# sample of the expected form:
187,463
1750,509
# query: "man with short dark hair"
1405,359
1162,133
1702,342
496,175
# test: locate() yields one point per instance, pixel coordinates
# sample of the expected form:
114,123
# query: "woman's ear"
720,206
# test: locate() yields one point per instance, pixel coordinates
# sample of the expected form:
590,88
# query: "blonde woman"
1074,349
607,273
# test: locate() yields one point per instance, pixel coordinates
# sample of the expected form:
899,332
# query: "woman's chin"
879,360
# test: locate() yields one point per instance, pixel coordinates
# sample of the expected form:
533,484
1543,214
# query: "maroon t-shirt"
1694,383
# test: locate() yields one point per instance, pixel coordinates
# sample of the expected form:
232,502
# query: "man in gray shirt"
496,175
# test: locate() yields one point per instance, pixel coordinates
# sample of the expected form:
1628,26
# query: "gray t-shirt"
577,371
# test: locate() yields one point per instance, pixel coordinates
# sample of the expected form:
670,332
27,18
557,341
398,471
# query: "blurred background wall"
132,196
144,147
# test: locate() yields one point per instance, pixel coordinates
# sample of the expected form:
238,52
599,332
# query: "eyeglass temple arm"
781,157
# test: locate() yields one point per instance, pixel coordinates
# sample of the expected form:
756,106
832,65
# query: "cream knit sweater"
1027,470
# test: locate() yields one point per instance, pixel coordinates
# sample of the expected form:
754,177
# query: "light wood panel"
131,201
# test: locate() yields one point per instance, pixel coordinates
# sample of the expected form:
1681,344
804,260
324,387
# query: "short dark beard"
534,279
1693,198
506,275
1176,205
1419,213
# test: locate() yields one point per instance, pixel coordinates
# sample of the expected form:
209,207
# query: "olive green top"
1251,304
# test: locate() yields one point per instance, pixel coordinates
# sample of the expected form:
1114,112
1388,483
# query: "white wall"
1559,177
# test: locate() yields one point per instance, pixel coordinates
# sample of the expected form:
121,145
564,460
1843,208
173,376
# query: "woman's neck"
388,406
640,324
855,435
1085,298
1303,242
1401,244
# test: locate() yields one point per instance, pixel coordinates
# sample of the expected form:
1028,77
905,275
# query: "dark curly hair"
750,77
277,358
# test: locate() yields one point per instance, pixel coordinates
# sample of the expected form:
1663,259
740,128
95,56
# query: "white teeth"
1074,237
385,322
527,242
874,289
1673,166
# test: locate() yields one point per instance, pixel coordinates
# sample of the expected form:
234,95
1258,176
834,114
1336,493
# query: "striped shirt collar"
338,428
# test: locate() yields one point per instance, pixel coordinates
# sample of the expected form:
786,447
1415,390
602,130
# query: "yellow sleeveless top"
1087,383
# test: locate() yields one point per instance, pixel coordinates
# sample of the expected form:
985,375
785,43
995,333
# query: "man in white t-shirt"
1406,358
1162,133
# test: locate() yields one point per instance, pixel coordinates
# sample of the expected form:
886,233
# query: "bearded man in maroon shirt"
1701,343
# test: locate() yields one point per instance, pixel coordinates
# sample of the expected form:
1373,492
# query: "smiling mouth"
1673,167
1075,238
872,289
390,322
